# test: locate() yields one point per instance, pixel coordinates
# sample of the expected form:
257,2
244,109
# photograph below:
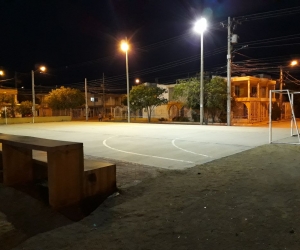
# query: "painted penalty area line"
173,142
152,156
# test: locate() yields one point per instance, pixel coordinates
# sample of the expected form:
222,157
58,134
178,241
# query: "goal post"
290,94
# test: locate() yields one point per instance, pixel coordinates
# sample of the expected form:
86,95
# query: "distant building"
251,95
9,92
106,104
6,106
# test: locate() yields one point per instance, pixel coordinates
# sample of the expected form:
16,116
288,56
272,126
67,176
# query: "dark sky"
78,39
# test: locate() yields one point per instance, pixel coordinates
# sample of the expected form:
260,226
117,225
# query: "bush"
162,119
223,118
180,119
196,117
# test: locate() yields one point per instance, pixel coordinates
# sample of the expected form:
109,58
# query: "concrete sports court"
169,146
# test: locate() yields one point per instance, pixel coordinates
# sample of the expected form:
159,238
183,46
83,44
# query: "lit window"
237,90
94,99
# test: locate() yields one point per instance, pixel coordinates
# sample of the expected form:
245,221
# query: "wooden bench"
68,182
99,178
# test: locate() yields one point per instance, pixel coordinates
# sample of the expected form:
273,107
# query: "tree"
4,99
65,98
147,97
187,91
9,101
215,98
133,106
25,108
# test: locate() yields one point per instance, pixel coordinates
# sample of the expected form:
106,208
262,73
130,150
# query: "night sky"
78,39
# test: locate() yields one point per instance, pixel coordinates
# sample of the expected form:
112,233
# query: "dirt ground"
250,200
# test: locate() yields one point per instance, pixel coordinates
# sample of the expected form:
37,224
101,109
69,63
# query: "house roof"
8,91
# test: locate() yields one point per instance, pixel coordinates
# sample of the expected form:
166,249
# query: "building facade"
251,96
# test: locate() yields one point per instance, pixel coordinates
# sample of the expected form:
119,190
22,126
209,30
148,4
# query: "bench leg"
65,177
17,165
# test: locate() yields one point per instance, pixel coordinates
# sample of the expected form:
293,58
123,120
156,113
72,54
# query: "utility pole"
86,101
231,39
33,95
280,87
229,73
103,95
16,81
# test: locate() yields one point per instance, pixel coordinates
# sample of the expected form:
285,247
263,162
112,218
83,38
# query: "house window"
237,90
253,91
263,92
94,99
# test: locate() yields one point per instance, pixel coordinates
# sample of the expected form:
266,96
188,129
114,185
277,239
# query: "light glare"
294,62
200,25
124,46
43,68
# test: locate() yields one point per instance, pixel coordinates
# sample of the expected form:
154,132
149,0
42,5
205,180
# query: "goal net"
282,134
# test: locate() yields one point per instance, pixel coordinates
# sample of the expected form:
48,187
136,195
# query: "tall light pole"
42,69
280,87
125,48
293,63
229,73
200,27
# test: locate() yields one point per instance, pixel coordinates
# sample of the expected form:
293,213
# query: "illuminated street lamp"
42,69
125,48
200,27
294,63
137,81
1,73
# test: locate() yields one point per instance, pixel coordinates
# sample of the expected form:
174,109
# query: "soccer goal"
294,127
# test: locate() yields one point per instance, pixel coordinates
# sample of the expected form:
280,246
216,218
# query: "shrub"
162,119
180,119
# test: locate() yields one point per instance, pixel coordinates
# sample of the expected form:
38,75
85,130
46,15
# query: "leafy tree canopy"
147,97
25,108
187,91
65,98
216,93
6,99
216,98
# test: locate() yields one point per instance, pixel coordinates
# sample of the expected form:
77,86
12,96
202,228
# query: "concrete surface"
169,146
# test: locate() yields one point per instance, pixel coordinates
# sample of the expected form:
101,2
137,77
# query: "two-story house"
251,94
104,103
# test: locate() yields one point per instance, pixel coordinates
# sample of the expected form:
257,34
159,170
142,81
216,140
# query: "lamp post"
125,48
42,69
293,63
200,27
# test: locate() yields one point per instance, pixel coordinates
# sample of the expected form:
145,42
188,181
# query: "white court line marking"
153,156
173,142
